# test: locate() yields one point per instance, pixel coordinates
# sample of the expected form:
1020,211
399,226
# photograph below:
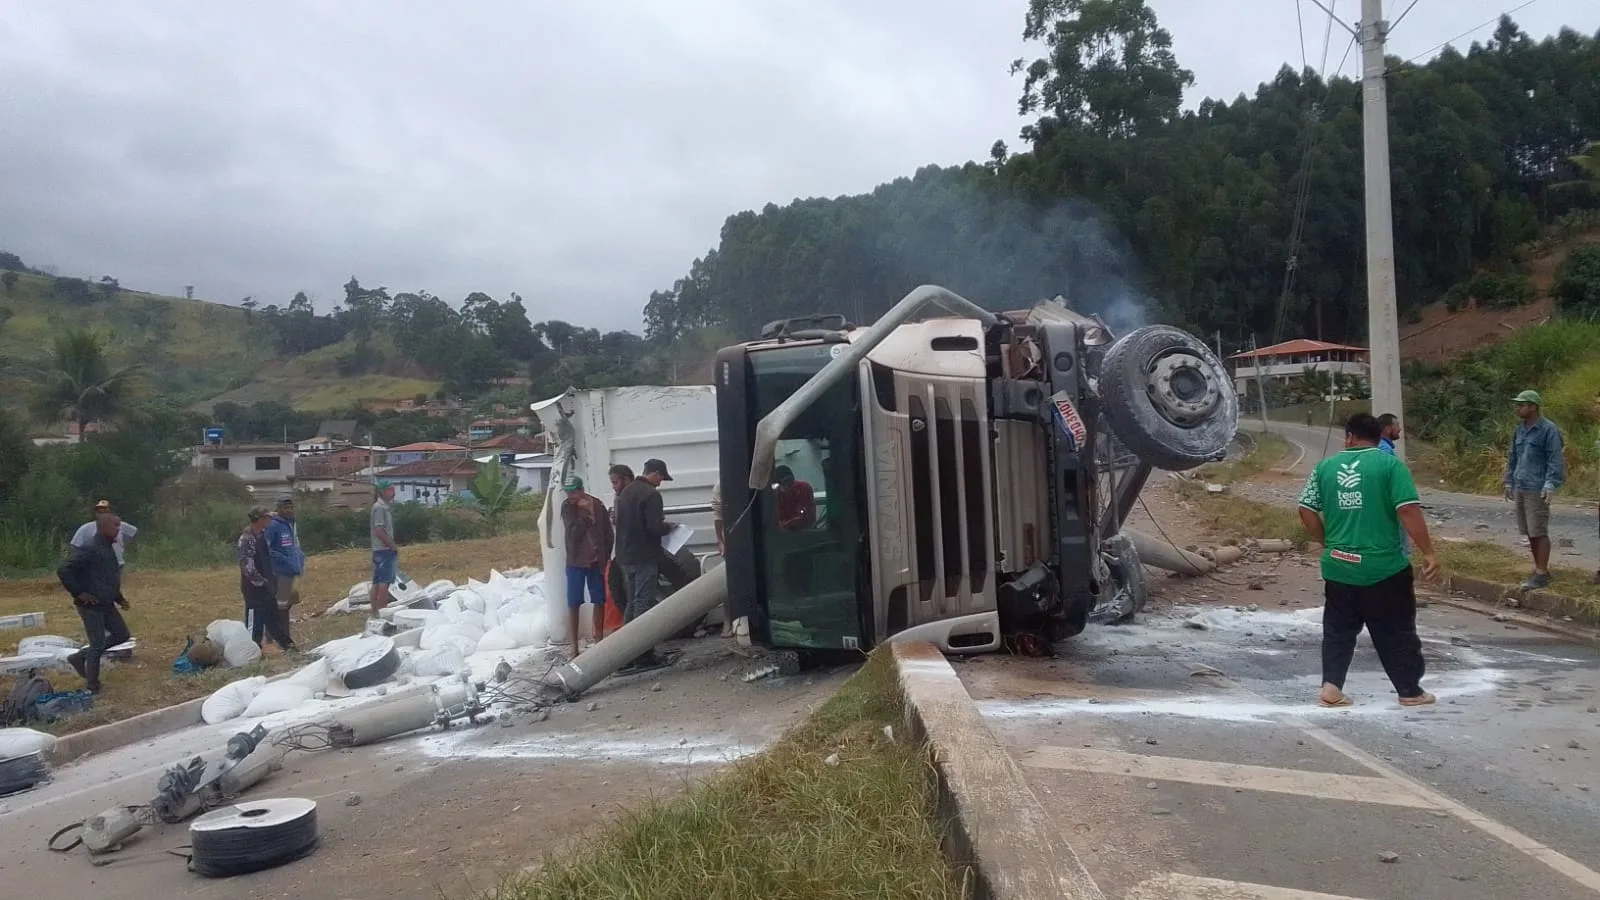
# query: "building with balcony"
1293,359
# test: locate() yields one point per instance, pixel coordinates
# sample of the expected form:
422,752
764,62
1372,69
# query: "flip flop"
1426,699
1342,702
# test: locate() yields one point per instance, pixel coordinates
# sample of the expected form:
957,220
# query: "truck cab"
966,479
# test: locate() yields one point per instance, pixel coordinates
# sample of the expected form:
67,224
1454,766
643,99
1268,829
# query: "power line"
1348,47
1327,35
1300,20
1396,23
1470,31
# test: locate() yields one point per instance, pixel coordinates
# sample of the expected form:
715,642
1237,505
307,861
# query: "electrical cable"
1300,20
1470,31
1174,545
251,837
1396,23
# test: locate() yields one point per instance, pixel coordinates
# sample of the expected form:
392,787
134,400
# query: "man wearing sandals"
1356,504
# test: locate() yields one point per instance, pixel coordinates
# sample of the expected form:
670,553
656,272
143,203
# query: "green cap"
573,483
1528,397
383,485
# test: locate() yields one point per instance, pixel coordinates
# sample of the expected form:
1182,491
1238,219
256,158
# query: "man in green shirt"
1356,503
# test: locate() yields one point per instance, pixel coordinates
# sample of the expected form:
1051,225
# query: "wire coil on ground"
252,836
19,773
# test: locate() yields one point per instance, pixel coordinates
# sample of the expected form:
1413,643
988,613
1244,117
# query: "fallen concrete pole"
689,604
1274,545
1161,553
1223,556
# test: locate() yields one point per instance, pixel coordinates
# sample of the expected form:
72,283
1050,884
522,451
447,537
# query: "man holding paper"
641,525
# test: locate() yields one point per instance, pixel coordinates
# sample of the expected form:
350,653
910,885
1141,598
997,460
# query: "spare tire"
1168,398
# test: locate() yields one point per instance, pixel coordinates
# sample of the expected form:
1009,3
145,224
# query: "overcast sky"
581,154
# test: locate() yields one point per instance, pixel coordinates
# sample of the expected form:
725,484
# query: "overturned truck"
961,479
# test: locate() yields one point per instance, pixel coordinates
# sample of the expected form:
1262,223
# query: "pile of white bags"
480,619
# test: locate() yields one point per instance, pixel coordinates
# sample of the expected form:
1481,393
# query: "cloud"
579,154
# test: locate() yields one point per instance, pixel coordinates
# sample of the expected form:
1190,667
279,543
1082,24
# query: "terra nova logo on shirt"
1349,479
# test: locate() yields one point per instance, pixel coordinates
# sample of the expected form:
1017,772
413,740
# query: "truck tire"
1168,398
1129,589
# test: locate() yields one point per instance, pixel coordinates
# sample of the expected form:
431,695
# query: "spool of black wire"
252,836
19,773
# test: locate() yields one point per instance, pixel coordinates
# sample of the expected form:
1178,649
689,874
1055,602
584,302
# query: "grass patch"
1493,562
171,605
1241,516
784,824
1266,450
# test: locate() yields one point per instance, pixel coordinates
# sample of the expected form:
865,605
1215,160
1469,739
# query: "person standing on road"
288,560
1355,503
93,577
261,613
385,557
88,531
587,526
641,524
1535,469
1391,433
722,549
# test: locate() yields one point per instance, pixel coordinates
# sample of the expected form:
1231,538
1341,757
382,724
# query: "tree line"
1243,216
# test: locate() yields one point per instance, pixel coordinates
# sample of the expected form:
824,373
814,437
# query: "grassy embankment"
171,605
784,824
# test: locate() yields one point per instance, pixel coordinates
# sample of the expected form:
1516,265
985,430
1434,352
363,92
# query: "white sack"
276,698
434,663
241,651
354,652
223,631
313,675
23,741
230,700
496,639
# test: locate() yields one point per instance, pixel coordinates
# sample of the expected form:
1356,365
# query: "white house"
264,468
1291,359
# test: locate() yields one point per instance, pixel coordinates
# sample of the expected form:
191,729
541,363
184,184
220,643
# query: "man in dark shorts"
1356,504
93,576
385,558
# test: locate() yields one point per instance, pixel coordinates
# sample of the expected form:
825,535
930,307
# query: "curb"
1551,604
75,746
989,815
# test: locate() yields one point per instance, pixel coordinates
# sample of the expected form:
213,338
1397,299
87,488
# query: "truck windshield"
808,534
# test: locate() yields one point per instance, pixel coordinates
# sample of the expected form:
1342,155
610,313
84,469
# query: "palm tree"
79,383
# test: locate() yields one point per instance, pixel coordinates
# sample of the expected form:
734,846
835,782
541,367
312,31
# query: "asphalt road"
1470,516
1185,763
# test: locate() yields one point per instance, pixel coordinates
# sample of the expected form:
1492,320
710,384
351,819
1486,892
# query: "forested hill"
1128,204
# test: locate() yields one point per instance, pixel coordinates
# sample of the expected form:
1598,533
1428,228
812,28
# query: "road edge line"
989,816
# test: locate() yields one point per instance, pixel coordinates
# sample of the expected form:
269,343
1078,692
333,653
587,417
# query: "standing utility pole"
1261,385
1383,324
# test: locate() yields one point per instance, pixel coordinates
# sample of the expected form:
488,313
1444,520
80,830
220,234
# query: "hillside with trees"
1242,216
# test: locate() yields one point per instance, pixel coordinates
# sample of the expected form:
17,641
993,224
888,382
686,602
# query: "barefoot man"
1356,503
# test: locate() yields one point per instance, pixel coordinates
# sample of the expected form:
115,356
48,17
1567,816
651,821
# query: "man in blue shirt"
283,550
1391,433
1534,471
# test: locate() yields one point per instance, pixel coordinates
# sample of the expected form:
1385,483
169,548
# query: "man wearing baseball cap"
1535,470
88,532
283,547
587,527
641,524
261,613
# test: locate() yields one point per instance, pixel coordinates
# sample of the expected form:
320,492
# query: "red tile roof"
1299,345
511,443
430,468
426,447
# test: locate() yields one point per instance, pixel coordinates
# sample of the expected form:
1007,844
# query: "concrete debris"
888,733
593,706
1274,545
1565,543
1257,584
1160,811
1150,785
1206,672
1253,608
1460,641
655,688
1279,636
1501,617
1593,709
1389,856
353,800
1196,624
1574,745
832,759
1214,488
1151,741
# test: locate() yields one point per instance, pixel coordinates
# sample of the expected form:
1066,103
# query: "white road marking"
1189,887
1556,860
1323,785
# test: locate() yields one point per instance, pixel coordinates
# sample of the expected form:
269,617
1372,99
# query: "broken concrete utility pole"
1383,323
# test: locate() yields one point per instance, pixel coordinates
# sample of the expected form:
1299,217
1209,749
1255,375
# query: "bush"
1577,287
1499,291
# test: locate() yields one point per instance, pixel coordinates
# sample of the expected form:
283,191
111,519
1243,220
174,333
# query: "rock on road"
1471,516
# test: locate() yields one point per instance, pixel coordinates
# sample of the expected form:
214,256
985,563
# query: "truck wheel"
1168,398
1129,589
